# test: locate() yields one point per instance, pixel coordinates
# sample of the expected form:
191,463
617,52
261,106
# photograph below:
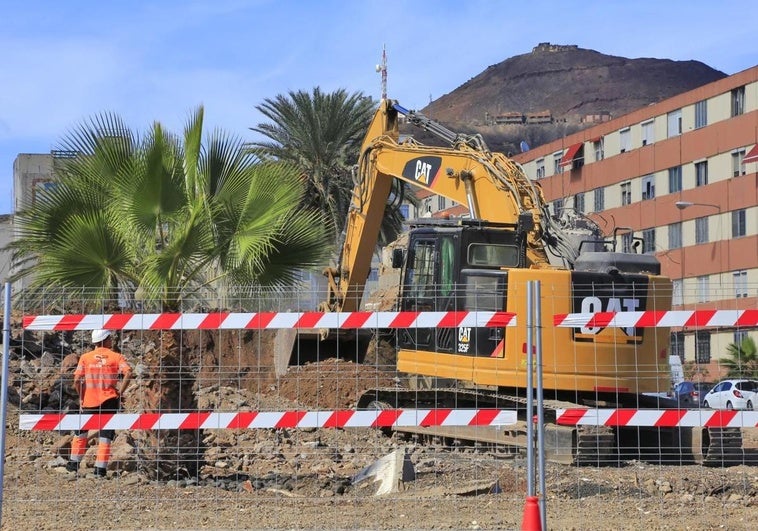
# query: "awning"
571,153
752,155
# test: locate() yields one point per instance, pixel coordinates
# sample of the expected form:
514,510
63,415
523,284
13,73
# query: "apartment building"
681,176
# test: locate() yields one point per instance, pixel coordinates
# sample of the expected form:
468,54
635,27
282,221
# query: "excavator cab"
456,265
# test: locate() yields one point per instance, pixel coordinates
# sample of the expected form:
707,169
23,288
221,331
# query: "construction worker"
96,379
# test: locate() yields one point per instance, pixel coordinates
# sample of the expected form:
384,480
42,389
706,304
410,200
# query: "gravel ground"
454,493
301,479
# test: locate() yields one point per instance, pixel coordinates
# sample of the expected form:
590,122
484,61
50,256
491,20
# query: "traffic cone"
531,520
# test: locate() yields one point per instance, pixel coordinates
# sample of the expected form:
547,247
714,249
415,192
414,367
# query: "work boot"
100,472
72,466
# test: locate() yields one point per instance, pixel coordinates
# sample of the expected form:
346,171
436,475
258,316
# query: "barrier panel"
213,435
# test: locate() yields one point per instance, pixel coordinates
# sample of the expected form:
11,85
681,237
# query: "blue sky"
65,61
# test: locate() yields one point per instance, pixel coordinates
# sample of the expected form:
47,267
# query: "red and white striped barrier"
385,418
268,320
695,318
662,418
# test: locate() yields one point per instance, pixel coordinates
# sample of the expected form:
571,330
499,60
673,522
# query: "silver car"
733,394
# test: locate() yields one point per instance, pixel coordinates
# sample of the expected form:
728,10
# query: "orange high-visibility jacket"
100,369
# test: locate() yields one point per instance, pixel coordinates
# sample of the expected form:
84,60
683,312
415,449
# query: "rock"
131,479
391,471
62,447
122,454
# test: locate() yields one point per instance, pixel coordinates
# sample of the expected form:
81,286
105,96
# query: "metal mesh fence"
246,455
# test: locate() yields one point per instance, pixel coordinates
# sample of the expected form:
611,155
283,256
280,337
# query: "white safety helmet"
99,336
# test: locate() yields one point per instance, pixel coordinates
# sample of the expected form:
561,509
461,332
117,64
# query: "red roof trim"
568,158
752,155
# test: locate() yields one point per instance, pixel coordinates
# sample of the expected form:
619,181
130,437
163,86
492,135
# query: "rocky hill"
558,89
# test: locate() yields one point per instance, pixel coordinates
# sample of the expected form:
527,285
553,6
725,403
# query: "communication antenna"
382,69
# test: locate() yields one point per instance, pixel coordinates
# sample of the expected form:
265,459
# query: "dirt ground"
303,479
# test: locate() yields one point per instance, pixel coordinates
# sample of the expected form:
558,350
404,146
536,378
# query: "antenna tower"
382,69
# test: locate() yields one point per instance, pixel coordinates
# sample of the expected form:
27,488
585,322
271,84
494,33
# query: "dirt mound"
332,384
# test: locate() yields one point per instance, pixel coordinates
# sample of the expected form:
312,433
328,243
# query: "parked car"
732,394
691,394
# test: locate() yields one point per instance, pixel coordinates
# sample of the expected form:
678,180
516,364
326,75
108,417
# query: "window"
675,179
674,123
579,203
739,336
405,211
626,193
702,346
422,269
558,208
740,284
540,168
701,173
648,187
487,254
738,167
599,205
441,203
738,223
648,133
675,236
648,241
625,140
738,101
701,114
701,230
702,288
428,207
557,168
599,151
676,294
677,344
626,242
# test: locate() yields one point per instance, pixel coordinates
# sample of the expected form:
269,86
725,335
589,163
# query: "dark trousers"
112,405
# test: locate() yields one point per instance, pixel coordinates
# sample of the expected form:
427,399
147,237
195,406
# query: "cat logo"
612,304
599,293
422,170
464,339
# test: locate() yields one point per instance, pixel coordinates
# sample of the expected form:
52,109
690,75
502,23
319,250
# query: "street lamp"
681,205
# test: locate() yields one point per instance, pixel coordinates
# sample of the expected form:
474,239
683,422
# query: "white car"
732,394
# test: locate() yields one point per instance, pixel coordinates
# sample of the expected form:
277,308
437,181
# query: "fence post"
4,388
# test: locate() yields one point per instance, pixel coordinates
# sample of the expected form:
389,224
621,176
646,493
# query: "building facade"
32,172
678,178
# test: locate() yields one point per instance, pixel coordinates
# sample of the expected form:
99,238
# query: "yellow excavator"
482,262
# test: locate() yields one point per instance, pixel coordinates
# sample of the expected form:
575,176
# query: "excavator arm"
493,187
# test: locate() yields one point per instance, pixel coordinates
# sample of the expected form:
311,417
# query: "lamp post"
681,205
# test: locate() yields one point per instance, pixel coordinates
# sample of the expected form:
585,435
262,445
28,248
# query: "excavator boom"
492,186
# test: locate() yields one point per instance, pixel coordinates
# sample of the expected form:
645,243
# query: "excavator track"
574,445
724,447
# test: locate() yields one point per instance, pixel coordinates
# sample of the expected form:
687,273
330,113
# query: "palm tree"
166,218
321,134
742,360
